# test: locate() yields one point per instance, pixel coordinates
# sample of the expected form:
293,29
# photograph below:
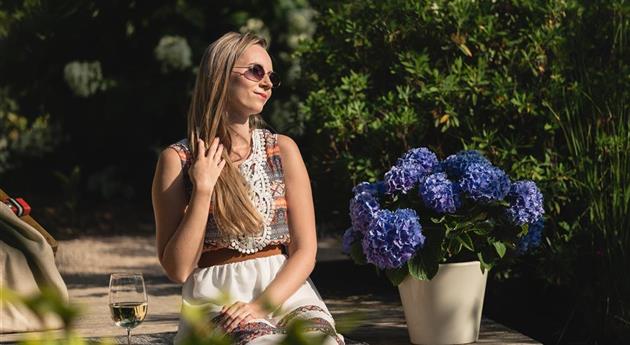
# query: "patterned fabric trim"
277,230
243,334
317,319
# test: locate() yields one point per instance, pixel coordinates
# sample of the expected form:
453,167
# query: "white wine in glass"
127,300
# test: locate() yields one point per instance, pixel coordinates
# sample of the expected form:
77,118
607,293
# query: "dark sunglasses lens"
275,79
257,72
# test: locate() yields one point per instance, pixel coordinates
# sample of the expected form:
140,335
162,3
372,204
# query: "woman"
256,188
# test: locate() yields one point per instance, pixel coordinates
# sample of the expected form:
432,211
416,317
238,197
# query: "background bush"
115,78
541,87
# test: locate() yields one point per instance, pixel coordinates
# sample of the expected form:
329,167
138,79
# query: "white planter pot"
446,309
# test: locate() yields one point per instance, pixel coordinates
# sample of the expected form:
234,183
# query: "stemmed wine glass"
127,300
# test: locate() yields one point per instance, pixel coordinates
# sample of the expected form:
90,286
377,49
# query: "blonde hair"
232,207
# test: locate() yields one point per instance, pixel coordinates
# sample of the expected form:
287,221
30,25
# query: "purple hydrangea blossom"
456,164
533,237
375,189
399,179
349,237
362,207
484,183
410,169
392,238
526,203
420,159
440,194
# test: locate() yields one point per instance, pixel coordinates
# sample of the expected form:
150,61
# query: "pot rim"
466,263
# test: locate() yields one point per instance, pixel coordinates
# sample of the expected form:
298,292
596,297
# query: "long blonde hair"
232,207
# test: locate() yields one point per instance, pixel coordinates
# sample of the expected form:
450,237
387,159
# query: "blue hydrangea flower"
410,169
392,238
440,194
362,208
420,159
456,164
349,237
484,183
526,203
399,179
375,189
533,237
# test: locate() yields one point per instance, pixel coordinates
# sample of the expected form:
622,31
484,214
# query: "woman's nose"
266,82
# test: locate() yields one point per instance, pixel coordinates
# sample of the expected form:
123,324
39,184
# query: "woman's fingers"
201,148
229,312
236,314
217,154
213,147
237,319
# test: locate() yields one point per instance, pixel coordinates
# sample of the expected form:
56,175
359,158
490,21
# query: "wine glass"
127,300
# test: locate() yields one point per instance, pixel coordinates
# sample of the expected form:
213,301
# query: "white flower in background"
435,7
301,26
258,27
301,20
293,40
173,53
84,78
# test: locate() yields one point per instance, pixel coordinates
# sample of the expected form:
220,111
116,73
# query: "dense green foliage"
387,76
114,79
541,87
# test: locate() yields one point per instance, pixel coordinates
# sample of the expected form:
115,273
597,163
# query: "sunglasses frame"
249,74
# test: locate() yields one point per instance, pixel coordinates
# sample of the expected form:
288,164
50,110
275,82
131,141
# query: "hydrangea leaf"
397,275
500,248
466,241
422,269
484,265
356,253
424,265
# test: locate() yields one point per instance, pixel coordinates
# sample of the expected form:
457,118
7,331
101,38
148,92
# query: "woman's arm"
303,246
180,228
301,219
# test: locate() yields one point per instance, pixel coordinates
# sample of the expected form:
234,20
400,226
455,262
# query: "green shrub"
385,76
20,136
541,87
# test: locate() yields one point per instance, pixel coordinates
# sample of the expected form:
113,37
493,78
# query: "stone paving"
86,264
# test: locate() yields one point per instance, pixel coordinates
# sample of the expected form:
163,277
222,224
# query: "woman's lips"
262,95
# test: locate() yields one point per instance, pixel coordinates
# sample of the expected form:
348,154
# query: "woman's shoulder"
181,145
288,149
177,151
286,142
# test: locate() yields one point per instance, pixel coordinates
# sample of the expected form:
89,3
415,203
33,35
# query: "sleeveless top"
262,169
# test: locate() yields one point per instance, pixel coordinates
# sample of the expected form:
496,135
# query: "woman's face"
247,96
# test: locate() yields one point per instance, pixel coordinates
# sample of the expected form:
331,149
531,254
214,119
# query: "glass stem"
128,336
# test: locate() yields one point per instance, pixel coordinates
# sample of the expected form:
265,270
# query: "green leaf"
397,275
466,241
524,230
421,268
356,253
484,265
438,220
500,248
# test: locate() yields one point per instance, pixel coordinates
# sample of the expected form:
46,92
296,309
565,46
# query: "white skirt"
244,281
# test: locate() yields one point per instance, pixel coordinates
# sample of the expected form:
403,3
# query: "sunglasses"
256,72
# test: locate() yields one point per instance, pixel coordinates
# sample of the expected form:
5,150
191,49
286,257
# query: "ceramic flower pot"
446,309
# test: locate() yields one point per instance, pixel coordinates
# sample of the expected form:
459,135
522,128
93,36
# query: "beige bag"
27,263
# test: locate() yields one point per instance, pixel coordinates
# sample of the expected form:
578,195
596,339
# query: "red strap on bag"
18,206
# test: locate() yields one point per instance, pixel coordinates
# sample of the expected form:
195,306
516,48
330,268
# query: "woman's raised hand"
206,167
